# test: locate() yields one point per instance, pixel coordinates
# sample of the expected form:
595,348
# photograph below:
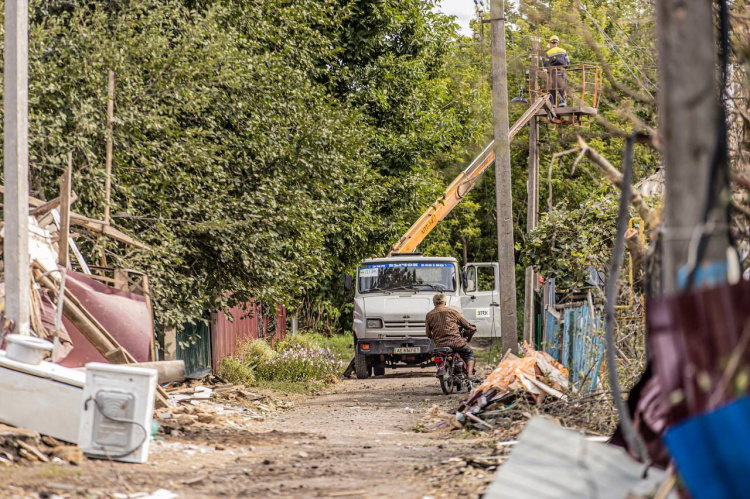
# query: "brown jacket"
441,324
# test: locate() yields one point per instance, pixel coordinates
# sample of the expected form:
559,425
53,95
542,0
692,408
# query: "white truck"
394,294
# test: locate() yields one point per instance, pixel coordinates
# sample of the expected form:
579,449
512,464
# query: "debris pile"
93,299
213,404
22,446
536,375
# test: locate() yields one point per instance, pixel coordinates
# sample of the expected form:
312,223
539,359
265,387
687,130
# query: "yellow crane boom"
460,186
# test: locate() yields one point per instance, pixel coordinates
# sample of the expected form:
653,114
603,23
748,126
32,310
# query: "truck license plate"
406,350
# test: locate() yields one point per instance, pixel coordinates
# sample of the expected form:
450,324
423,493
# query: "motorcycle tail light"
437,359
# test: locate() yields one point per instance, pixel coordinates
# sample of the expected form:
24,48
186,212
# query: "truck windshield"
418,276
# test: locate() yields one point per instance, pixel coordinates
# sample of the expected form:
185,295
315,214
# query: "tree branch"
614,175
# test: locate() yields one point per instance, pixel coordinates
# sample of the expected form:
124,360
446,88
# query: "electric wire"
614,49
632,438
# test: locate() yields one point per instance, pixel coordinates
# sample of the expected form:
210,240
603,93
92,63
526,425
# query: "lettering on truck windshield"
412,276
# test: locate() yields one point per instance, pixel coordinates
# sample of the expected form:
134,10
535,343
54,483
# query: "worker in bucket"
442,325
557,60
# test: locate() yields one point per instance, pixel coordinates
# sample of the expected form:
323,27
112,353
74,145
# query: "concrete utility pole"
505,245
688,117
16,164
532,209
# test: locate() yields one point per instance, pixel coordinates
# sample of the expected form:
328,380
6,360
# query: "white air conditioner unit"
118,406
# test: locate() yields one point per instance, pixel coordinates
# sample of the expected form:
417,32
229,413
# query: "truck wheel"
360,366
379,371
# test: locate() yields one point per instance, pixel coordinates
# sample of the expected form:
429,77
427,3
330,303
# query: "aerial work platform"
568,115
579,84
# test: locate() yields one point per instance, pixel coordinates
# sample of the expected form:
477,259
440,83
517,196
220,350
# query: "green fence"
194,347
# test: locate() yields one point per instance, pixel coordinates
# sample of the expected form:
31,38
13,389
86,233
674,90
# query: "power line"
614,49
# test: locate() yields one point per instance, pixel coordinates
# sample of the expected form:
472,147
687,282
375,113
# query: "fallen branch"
614,175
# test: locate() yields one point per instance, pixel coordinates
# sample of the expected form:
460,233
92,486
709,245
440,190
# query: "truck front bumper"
397,346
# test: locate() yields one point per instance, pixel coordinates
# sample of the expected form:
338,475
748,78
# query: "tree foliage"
261,147
575,229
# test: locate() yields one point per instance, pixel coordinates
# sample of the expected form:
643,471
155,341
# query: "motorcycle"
452,370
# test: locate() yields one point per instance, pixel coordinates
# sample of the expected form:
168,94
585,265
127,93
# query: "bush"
339,344
255,353
300,358
299,363
235,371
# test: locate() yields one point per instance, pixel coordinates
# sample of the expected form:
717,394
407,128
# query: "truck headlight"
374,323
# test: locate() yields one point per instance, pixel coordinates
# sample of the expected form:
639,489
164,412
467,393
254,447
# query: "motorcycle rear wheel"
447,383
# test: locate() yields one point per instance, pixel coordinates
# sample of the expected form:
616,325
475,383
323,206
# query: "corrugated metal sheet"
194,347
573,335
241,323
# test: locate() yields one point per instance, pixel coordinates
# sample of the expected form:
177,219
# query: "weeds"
309,358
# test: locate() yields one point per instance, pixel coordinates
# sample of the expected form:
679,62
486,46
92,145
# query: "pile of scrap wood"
535,375
21,446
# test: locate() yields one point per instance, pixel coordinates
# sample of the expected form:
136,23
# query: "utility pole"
16,164
689,118
503,195
532,209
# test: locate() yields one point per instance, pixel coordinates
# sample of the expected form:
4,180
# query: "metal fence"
573,335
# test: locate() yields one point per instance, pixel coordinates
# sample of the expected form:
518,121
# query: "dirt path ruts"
358,441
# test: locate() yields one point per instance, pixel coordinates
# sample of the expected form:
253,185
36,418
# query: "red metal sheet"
239,323
125,315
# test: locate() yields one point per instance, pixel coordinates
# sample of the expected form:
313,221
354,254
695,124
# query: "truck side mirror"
465,279
348,282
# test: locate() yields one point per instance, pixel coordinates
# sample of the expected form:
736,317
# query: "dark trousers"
558,84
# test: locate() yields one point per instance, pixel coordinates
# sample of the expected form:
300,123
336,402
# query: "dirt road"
357,441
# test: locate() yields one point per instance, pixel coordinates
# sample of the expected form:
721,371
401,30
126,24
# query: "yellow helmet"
554,39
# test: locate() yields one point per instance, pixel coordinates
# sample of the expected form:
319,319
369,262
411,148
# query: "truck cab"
393,296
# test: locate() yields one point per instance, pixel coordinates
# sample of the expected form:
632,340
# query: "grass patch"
304,363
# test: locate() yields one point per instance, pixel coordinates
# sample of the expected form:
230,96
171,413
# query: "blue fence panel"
552,331
576,341
586,346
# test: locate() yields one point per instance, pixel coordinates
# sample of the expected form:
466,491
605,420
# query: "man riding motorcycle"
442,325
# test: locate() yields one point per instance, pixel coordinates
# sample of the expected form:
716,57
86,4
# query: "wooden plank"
100,227
73,246
110,114
51,205
33,202
65,187
147,295
96,226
